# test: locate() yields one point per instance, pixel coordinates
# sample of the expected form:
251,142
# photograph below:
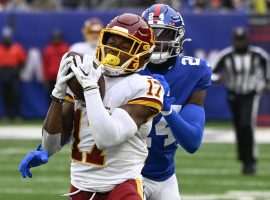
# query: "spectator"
33,66
260,6
247,72
90,31
241,6
12,59
216,5
2,4
17,5
200,6
46,5
115,4
52,55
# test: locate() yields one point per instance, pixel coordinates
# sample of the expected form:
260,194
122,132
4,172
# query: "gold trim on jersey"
153,104
69,98
139,187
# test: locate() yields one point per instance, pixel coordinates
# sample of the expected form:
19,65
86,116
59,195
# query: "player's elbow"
192,148
102,144
194,142
105,142
106,137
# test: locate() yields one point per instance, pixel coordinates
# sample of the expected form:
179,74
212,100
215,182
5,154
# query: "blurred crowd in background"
21,63
247,6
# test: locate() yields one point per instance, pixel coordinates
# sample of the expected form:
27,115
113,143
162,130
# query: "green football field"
210,174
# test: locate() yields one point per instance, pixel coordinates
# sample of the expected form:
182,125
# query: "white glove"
60,87
86,73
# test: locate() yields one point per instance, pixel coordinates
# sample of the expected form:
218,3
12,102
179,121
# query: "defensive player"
109,148
183,117
91,30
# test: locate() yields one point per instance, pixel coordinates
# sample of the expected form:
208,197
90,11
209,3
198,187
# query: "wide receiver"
109,148
183,118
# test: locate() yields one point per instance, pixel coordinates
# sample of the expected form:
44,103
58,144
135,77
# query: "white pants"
161,190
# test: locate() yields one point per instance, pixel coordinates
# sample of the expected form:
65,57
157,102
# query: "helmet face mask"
125,45
169,29
167,44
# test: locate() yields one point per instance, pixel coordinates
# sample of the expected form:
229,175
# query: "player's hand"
168,100
60,87
85,72
33,159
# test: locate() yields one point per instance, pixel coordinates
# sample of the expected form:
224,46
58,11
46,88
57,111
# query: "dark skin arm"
59,119
138,113
197,98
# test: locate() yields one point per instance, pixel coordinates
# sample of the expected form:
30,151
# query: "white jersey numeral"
162,128
151,16
190,61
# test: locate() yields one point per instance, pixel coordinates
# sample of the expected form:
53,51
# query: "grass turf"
212,170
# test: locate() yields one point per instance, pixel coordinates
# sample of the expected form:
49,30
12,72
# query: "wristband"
91,87
56,99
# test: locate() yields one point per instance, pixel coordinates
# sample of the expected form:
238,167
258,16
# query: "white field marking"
210,136
231,195
32,191
20,132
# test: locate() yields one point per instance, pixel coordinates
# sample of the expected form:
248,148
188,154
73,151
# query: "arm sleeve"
266,64
188,126
108,130
205,76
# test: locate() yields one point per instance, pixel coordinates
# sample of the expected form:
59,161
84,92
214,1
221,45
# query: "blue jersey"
185,77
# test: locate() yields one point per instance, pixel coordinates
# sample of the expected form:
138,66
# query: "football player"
181,122
108,146
90,31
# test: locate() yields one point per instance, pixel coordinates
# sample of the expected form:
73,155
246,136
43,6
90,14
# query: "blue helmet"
169,29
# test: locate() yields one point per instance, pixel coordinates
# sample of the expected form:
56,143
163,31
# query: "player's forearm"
53,128
108,130
188,127
53,122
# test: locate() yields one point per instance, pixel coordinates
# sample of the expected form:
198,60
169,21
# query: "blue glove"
168,101
33,159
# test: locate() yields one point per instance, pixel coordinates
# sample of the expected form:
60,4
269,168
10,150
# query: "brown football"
76,87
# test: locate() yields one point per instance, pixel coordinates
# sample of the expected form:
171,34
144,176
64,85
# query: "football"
76,87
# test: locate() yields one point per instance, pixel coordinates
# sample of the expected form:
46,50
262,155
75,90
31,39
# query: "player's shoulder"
140,82
77,45
144,85
193,63
146,91
259,50
226,51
